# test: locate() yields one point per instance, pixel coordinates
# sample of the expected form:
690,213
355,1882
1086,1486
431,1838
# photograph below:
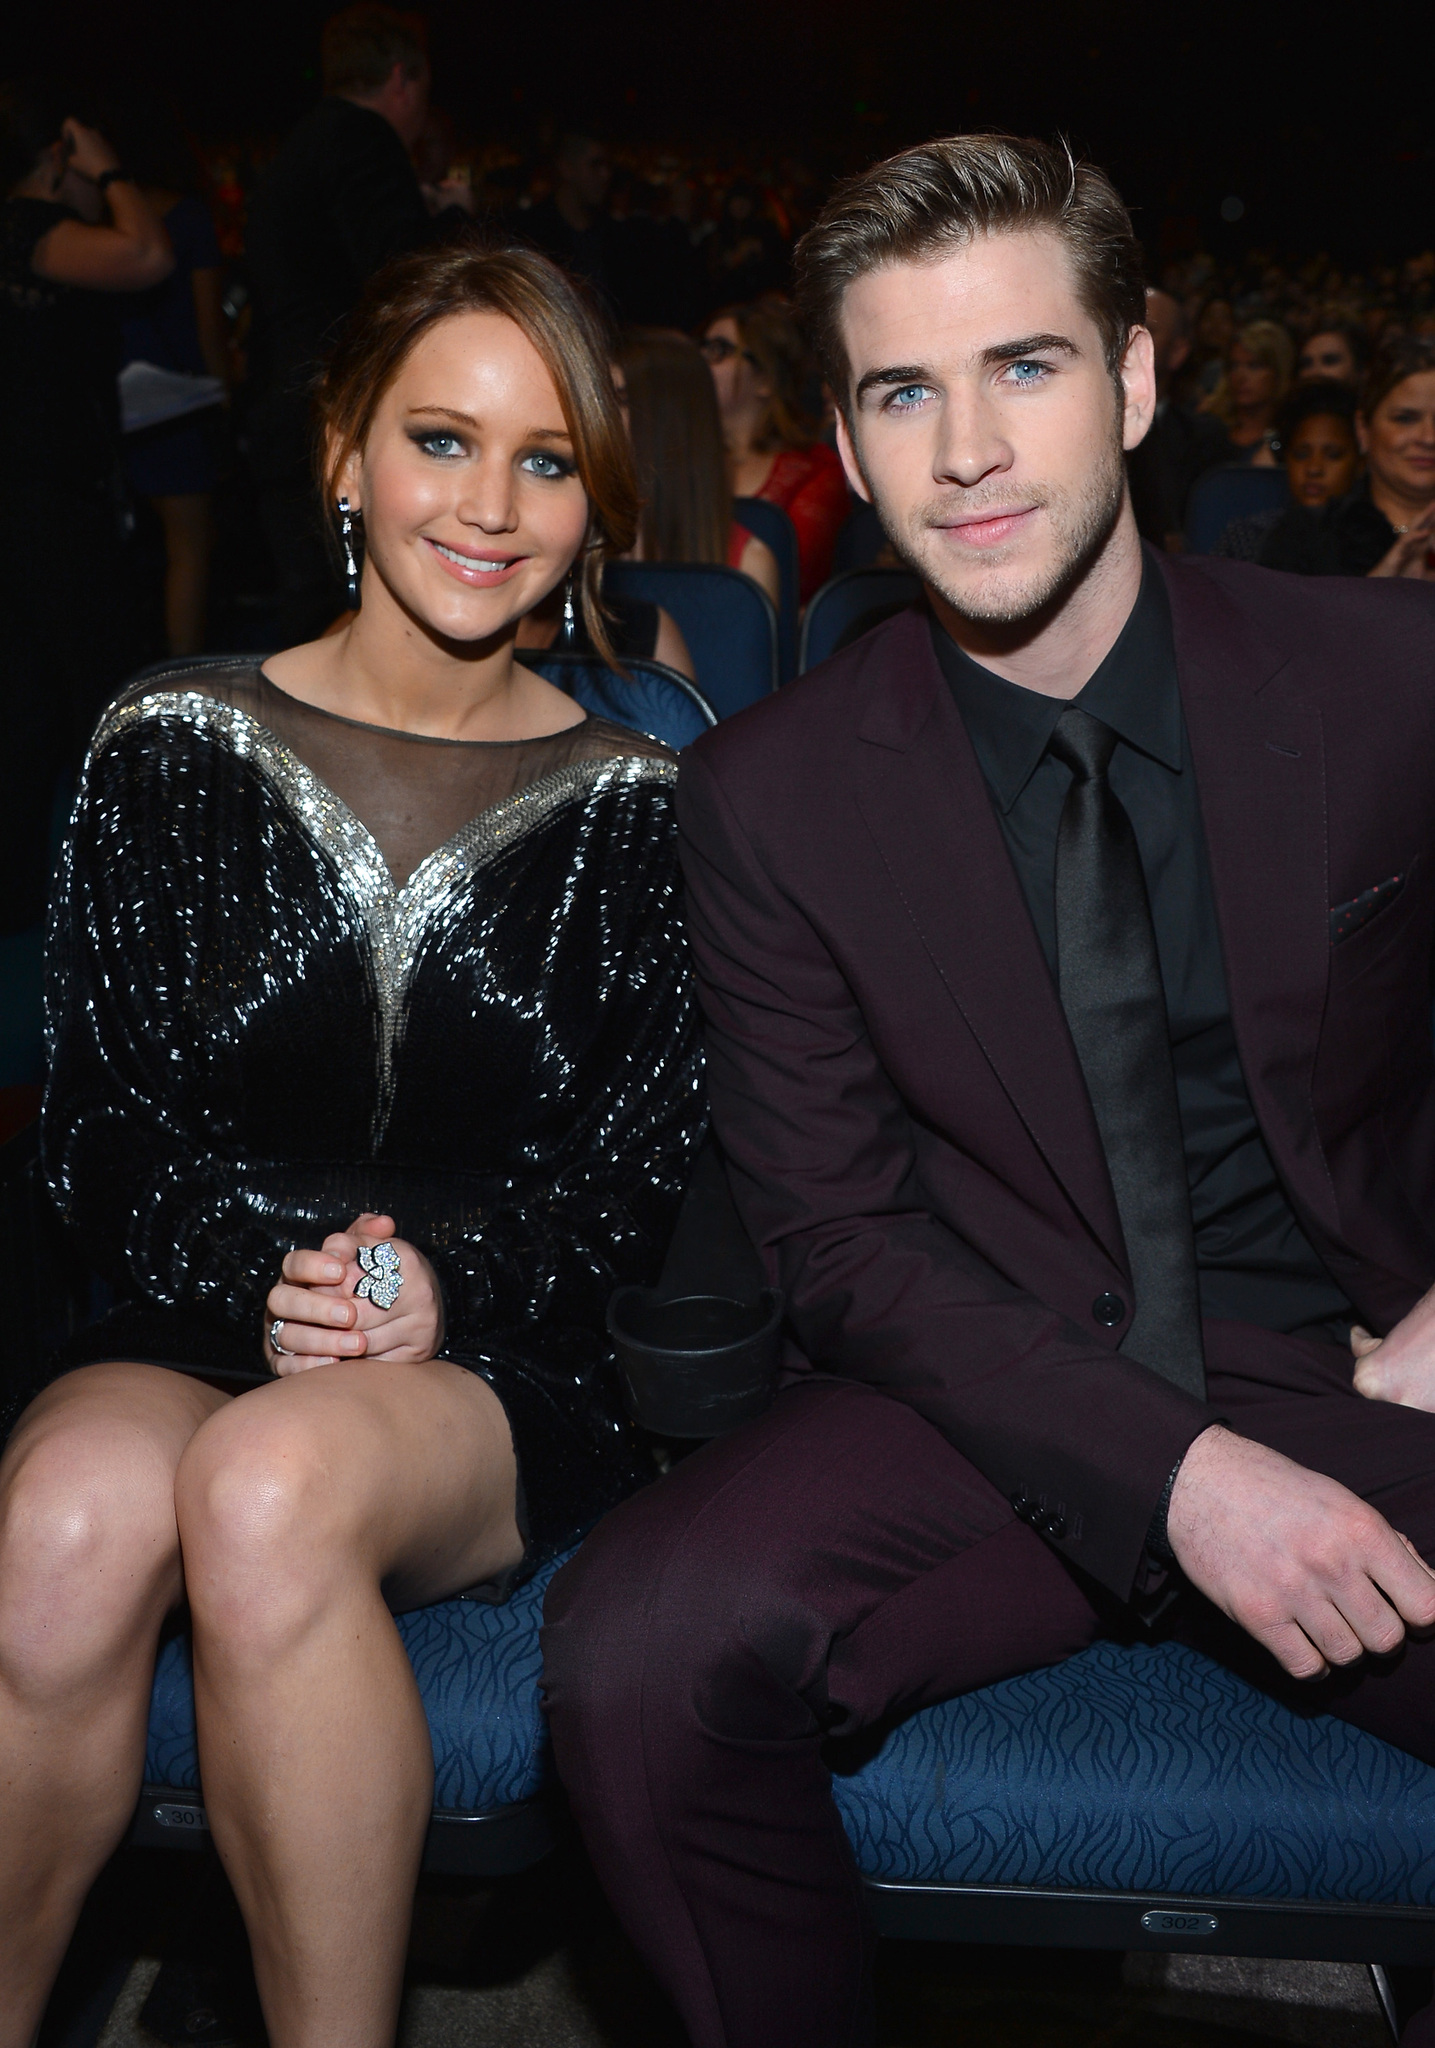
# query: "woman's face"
1399,438
1327,355
473,508
1321,459
1252,383
736,377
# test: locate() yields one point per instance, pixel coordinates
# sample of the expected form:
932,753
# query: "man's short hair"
361,45
915,207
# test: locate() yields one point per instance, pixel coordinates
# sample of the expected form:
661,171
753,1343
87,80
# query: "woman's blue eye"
547,465
438,442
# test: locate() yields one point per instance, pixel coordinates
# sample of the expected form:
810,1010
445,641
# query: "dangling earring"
351,567
569,633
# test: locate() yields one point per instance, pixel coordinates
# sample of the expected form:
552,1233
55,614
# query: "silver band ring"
274,1345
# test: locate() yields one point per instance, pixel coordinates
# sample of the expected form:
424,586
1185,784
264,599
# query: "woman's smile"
481,571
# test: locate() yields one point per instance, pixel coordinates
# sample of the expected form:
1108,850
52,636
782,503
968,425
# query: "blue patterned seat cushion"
477,1668
1144,1770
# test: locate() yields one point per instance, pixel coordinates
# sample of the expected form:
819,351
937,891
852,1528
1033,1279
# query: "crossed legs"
832,1566
294,1520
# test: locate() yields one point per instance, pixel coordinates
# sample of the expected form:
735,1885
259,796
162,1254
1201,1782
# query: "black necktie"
1110,982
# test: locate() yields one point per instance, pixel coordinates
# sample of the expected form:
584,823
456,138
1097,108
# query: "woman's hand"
325,1321
1409,556
88,151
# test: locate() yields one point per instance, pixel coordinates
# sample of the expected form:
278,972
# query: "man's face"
985,426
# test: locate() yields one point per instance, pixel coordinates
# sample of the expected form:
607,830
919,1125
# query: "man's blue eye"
909,395
1028,373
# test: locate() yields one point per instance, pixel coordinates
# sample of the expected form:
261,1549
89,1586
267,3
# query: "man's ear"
846,448
1138,383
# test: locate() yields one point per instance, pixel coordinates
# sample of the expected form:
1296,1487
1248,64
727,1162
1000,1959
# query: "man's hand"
1399,1367
324,1321
1302,1564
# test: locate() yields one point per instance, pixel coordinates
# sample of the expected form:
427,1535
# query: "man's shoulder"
1330,619
796,737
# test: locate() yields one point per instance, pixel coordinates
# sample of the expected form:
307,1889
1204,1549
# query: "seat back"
649,696
860,540
1233,491
768,522
729,624
840,607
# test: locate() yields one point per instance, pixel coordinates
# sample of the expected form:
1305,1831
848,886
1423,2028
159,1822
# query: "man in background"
339,200
571,225
1182,443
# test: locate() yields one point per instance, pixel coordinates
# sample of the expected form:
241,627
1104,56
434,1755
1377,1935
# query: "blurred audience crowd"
166,300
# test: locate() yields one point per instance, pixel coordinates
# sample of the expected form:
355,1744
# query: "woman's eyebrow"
466,419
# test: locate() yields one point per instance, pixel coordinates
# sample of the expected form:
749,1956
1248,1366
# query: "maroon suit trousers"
834,1566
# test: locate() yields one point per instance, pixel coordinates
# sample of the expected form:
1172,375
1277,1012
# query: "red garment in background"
809,485
737,540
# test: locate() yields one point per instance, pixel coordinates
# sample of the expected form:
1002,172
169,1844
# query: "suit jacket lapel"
926,803
1259,753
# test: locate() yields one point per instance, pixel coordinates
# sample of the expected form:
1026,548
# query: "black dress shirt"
1255,1263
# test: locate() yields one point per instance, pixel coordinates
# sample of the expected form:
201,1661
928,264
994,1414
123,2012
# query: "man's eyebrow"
904,373
466,419
999,352
1029,345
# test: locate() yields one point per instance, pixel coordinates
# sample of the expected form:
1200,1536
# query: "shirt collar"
1134,691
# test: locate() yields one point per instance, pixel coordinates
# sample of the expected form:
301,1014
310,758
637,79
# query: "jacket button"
1108,1310
1055,1526
1021,1506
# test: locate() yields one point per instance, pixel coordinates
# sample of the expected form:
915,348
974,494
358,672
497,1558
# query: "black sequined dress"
303,967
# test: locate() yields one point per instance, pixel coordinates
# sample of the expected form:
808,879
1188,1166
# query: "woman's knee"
268,1527
89,1550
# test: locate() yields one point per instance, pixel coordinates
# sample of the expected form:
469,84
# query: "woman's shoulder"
219,695
601,740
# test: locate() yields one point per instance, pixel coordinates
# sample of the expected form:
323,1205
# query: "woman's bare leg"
89,1567
306,1510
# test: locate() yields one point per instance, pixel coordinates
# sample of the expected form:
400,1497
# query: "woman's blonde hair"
1273,348
411,295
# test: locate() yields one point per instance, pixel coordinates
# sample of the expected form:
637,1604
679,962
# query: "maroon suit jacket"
908,1132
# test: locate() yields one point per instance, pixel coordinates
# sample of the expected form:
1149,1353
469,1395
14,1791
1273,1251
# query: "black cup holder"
697,1366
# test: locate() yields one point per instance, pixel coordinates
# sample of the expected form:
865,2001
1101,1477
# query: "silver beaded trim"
395,919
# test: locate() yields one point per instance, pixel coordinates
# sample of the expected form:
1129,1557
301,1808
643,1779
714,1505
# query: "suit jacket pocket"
1346,919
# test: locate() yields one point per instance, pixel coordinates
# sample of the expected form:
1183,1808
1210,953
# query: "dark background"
1320,123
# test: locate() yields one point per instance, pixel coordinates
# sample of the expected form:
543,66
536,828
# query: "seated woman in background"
374,1071
1338,351
687,513
758,365
1250,394
1315,432
1384,525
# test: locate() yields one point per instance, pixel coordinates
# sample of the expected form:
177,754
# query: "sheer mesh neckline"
411,791
392,732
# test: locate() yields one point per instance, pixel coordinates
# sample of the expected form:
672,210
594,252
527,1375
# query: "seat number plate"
174,1816
1161,1921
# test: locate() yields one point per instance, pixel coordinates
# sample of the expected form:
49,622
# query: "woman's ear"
347,478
